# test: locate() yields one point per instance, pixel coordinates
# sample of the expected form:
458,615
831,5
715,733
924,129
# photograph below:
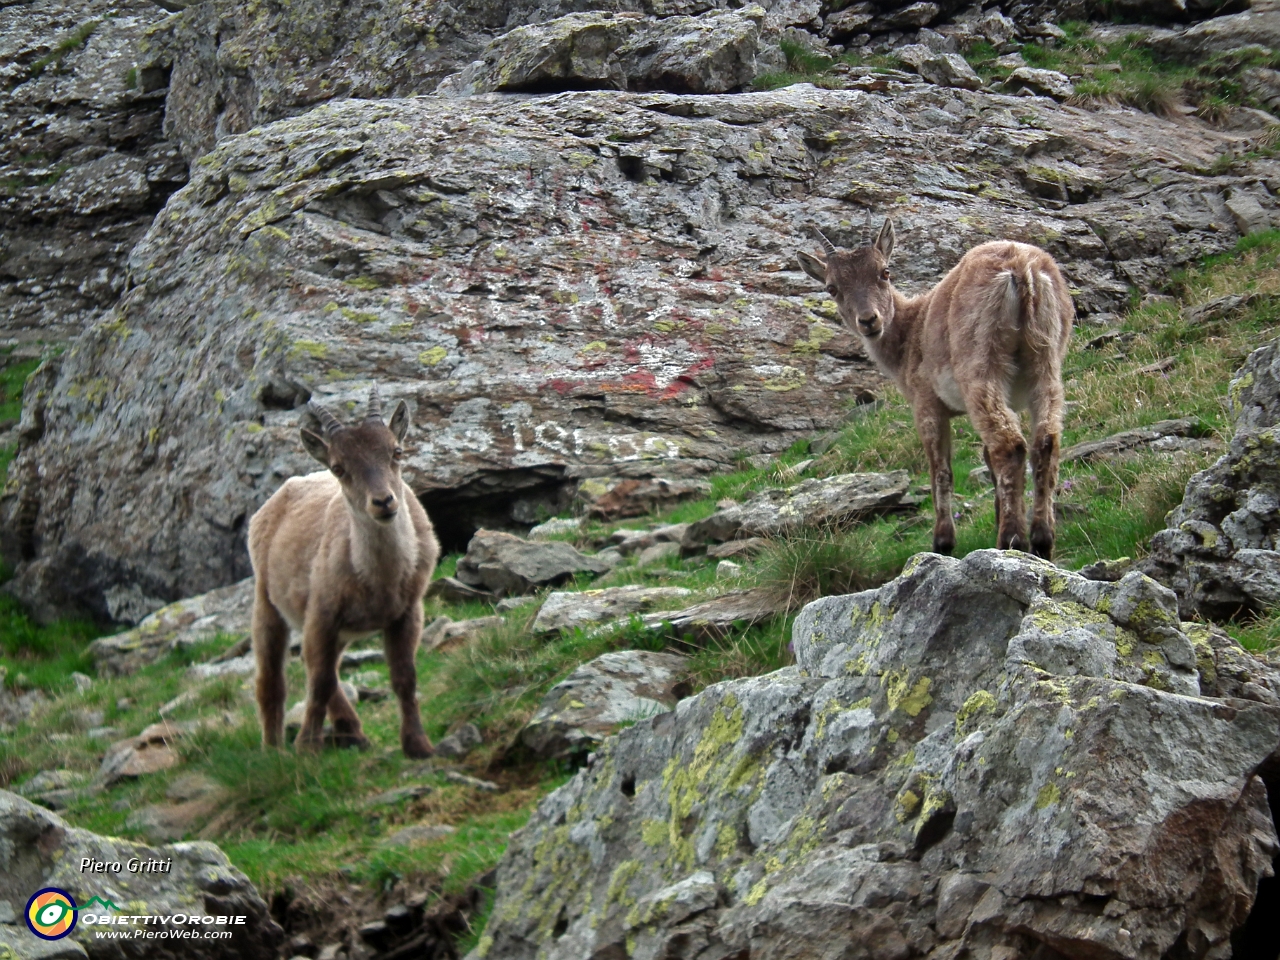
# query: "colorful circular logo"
51,913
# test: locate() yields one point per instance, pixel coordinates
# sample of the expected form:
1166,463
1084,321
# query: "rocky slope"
987,757
1219,549
83,163
562,286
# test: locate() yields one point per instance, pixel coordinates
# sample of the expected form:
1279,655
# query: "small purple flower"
956,515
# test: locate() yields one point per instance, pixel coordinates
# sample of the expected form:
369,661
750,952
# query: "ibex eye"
831,289
884,274
337,471
398,453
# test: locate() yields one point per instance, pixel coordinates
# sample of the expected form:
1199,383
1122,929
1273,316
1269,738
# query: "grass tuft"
72,41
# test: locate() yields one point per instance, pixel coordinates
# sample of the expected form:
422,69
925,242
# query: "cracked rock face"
985,755
83,166
584,284
38,849
712,53
1221,549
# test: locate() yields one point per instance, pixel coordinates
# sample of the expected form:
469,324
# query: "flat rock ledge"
38,849
227,610
778,511
988,757
627,686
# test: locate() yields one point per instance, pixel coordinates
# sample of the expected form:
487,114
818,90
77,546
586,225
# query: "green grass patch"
12,378
32,655
1126,71
806,66
1258,635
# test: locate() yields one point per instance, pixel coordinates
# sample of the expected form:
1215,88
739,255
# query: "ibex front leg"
933,423
401,643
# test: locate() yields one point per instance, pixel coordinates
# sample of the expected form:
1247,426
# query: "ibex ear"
399,424
315,446
812,266
884,239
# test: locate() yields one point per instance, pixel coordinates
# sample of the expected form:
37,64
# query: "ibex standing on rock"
986,341
341,555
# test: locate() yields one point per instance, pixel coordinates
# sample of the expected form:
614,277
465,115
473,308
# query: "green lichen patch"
1048,796
978,703
910,698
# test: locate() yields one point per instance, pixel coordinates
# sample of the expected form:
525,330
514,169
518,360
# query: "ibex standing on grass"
341,555
987,341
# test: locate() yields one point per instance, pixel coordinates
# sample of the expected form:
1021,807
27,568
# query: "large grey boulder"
711,53
38,849
942,68
811,503
986,757
1258,26
1220,550
594,701
578,285
226,611
83,163
1049,83
506,565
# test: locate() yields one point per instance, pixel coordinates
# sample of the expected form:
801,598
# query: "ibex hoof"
417,748
944,545
1042,543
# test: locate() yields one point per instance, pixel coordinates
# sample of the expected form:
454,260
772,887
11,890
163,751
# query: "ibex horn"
328,422
827,245
866,230
375,404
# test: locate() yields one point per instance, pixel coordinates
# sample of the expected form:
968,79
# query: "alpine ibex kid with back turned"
341,555
988,340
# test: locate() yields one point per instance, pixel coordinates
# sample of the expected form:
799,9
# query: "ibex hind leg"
1046,441
1005,451
270,647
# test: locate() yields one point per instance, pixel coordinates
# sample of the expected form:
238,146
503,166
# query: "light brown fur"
342,559
988,340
